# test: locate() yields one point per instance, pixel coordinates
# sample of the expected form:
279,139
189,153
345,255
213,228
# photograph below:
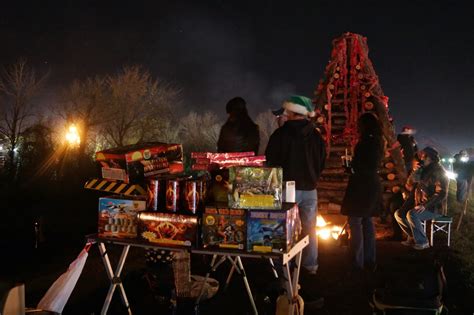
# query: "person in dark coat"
363,197
409,146
239,133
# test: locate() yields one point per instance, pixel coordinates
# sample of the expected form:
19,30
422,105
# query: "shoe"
409,242
312,270
421,246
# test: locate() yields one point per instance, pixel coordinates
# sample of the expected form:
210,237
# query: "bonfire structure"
350,87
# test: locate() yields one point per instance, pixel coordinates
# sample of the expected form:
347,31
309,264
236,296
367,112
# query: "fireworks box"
273,230
219,187
223,227
118,217
255,187
168,228
134,163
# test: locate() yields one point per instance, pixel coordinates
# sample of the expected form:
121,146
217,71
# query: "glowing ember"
324,231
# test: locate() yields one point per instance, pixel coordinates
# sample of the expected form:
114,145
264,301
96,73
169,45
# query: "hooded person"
299,149
425,201
239,133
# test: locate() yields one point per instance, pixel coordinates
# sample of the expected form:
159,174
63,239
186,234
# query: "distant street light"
72,136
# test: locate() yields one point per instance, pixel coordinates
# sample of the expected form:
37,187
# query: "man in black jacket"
299,149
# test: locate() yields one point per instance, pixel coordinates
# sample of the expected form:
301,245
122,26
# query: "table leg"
247,285
231,272
275,273
213,261
114,277
292,284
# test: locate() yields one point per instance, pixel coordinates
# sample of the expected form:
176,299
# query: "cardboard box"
255,187
168,228
273,230
223,227
118,217
134,163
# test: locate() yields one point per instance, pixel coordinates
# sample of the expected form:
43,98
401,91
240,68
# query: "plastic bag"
58,294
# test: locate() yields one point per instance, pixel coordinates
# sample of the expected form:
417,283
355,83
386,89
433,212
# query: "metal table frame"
232,256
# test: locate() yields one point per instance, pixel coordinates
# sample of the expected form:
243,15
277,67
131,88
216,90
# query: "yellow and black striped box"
115,187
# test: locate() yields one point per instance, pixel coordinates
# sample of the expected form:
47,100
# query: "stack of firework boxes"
245,211
240,208
157,215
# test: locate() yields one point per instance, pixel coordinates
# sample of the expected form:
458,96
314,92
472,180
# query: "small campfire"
327,230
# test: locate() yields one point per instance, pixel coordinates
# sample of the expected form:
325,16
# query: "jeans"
362,241
410,223
307,201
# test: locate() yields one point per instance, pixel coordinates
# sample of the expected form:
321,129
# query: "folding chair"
385,300
440,224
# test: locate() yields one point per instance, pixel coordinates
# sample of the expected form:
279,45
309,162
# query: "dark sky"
423,51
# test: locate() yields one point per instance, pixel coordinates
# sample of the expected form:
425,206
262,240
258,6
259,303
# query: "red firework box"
223,227
134,163
168,228
207,161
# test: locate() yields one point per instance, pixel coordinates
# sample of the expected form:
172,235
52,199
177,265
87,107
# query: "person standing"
409,146
463,169
425,201
239,133
299,149
363,197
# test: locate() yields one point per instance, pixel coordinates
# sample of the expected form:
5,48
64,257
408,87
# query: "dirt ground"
343,293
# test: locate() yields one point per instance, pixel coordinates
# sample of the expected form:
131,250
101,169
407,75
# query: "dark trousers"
362,242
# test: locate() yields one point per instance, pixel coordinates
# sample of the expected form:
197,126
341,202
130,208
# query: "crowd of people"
298,147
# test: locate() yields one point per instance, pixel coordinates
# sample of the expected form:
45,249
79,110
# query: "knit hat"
300,105
432,153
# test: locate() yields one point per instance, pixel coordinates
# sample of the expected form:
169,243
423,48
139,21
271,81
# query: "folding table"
219,256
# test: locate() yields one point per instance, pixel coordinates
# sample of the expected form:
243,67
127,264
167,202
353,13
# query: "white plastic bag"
58,294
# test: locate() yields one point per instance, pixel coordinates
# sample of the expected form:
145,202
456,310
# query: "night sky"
423,52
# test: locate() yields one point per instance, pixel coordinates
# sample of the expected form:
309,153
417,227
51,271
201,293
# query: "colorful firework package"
118,216
255,187
134,163
168,228
223,227
273,230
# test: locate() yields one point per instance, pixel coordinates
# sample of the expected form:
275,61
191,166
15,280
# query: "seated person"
424,201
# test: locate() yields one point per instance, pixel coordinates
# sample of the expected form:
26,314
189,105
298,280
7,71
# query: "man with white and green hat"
299,149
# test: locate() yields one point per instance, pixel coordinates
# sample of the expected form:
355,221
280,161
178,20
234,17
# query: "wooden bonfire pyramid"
349,88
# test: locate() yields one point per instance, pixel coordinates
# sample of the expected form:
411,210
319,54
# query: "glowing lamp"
72,136
464,159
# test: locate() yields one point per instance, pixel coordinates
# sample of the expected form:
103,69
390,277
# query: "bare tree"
267,124
138,106
83,103
200,132
18,85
